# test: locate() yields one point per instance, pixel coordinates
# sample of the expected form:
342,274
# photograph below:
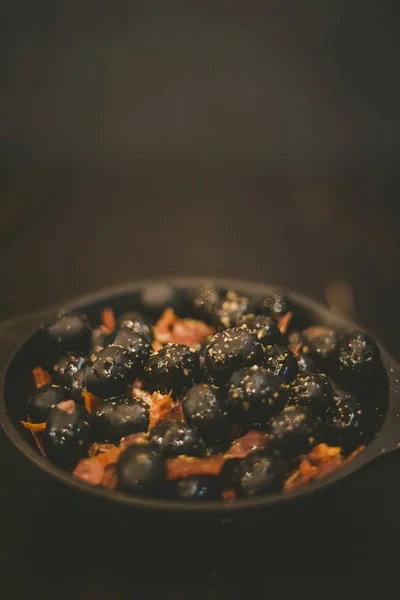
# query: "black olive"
67,367
230,350
202,487
77,386
155,298
204,408
175,438
258,474
347,424
320,343
305,364
67,436
206,302
72,332
356,360
43,400
108,372
254,396
174,367
141,470
265,328
233,306
138,346
281,361
294,431
314,392
275,305
136,322
119,417
100,336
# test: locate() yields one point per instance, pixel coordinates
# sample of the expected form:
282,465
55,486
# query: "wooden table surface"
256,142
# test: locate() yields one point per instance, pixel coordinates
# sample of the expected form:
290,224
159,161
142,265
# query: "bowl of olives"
194,395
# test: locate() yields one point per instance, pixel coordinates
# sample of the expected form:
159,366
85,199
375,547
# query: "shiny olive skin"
275,305
136,322
264,327
347,424
67,437
44,398
281,361
231,350
293,432
108,372
72,333
119,417
305,364
204,409
254,395
233,306
67,367
138,347
313,391
175,438
174,368
258,474
141,470
100,337
155,298
206,302
320,343
356,360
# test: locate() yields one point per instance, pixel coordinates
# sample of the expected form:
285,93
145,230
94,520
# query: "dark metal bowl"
19,354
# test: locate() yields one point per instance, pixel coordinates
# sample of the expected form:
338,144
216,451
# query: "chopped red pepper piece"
41,377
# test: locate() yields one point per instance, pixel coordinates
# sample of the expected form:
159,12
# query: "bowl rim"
26,326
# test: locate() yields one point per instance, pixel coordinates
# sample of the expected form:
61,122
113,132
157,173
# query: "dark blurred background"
251,139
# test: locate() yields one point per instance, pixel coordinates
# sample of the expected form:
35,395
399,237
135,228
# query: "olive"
346,424
230,350
320,343
67,367
206,302
281,361
275,305
314,392
100,336
77,386
356,360
67,436
155,298
72,332
141,470
254,396
293,431
264,327
119,417
43,400
258,474
202,487
175,438
174,368
108,372
305,364
233,306
136,322
204,408
138,346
